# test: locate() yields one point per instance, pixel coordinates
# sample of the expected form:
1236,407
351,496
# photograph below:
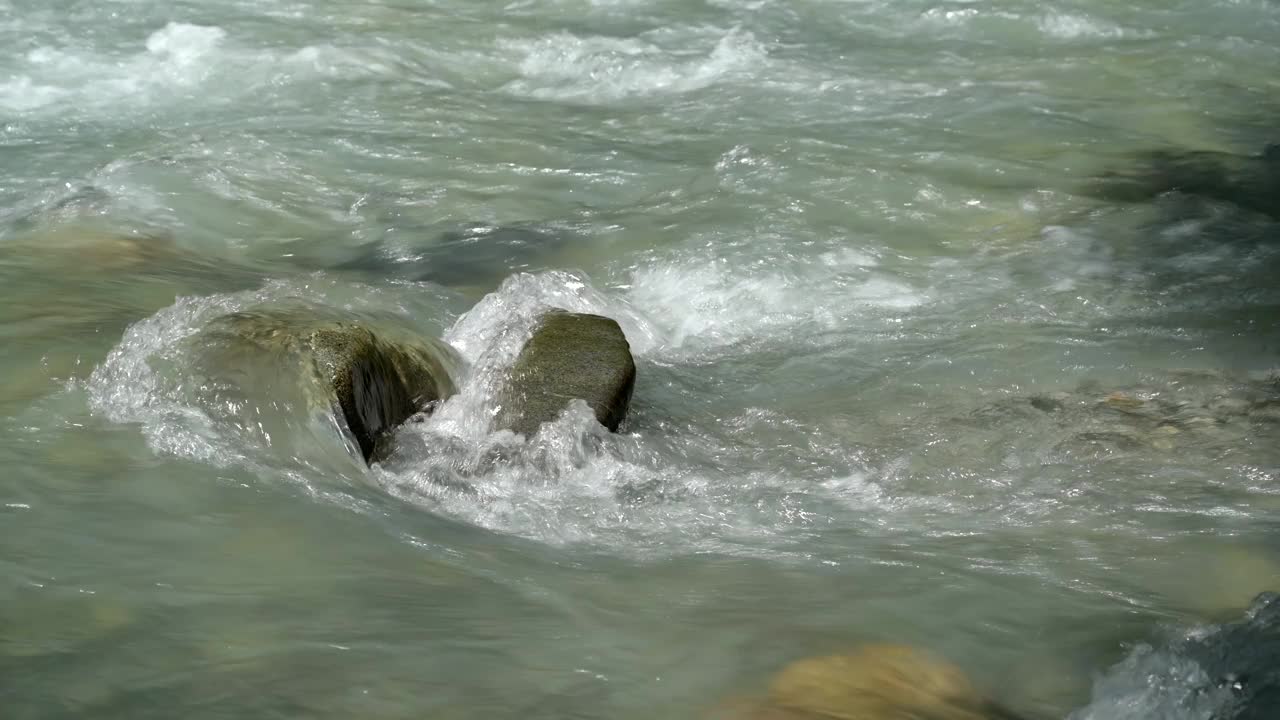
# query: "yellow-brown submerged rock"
875,682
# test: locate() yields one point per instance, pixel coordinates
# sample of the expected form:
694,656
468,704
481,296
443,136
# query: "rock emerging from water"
876,682
570,356
1242,660
1225,672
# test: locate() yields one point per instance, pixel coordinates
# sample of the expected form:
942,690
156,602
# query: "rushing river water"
908,370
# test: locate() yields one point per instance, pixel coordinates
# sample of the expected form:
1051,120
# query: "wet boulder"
875,682
373,380
570,356
1242,661
1229,671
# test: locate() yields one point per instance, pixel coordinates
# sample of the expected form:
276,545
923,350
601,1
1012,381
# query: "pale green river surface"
850,242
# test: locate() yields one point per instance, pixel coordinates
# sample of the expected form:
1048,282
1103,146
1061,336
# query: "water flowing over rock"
375,383
378,385
570,356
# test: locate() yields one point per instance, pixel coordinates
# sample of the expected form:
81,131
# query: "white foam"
950,16
1069,27
564,66
127,388
182,45
574,482
711,303
22,94
857,490
173,60
512,309
703,304
1057,25
178,55
559,487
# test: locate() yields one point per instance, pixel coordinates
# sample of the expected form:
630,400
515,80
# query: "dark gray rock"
570,356
1243,659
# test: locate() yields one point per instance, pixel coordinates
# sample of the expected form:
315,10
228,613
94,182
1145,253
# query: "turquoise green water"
850,243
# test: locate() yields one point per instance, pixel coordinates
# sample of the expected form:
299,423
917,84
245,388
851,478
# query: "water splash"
564,66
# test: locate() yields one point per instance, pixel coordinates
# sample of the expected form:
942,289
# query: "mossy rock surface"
570,356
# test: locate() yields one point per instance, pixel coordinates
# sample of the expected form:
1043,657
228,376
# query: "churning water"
956,325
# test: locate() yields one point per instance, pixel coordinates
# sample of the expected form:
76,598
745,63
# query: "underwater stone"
876,682
570,356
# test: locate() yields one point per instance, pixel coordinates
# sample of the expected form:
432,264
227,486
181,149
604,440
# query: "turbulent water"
956,325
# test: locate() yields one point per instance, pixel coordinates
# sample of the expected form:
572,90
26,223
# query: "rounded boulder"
569,356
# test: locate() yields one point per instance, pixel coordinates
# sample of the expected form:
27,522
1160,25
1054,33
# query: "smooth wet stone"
570,356
876,682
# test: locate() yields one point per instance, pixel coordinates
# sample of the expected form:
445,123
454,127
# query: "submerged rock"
1186,408
876,682
373,382
472,258
91,249
1248,181
570,356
